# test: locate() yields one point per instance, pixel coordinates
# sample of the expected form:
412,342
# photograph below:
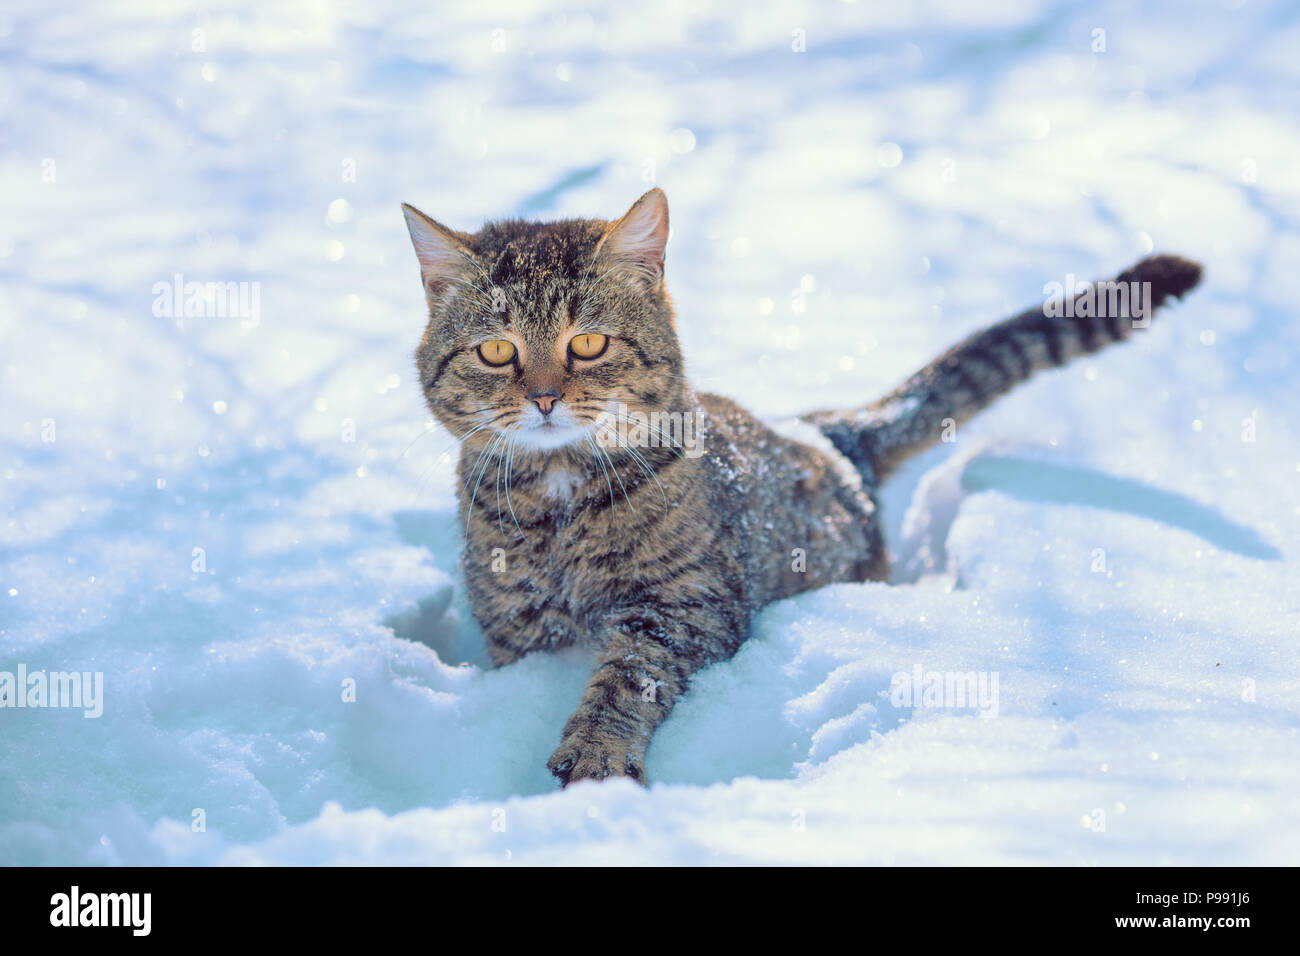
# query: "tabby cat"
550,353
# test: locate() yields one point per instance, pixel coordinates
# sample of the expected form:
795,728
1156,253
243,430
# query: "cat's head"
537,330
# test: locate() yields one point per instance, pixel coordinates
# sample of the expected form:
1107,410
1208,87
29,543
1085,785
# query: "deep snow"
1105,541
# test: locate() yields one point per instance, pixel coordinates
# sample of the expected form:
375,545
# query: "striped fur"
656,558
879,436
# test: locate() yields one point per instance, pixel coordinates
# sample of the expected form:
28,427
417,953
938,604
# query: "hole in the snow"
442,620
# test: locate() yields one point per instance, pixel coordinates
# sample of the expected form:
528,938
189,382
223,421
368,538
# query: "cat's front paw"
595,758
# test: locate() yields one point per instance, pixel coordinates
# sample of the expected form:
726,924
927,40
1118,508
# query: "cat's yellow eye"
588,345
497,352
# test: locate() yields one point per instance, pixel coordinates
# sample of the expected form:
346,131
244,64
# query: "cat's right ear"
444,260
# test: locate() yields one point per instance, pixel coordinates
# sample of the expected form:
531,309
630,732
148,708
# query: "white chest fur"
560,483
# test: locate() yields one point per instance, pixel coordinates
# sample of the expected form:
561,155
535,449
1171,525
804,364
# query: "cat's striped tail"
967,378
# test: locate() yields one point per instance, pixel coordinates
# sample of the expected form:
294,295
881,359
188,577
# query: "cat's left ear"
638,239
444,260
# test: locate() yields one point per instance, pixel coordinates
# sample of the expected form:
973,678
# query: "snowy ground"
1119,556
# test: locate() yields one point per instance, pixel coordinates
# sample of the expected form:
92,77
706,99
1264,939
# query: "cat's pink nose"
545,400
